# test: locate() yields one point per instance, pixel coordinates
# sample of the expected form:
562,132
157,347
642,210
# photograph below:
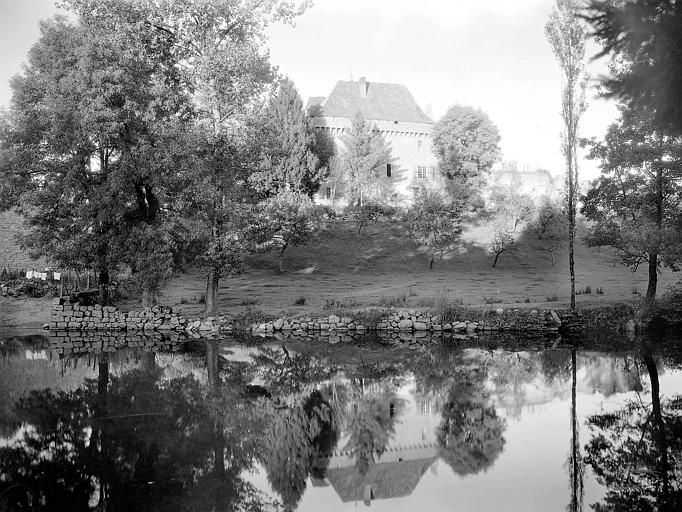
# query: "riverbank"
341,270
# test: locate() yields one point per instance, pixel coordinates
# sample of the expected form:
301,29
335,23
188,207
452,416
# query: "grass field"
382,266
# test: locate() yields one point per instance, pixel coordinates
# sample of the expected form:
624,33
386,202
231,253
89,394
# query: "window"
422,172
388,170
420,145
329,192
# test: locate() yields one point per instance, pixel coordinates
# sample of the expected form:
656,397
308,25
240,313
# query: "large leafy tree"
364,155
645,39
636,200
286,219
80,143
436,223
567,34
466,143
217,47
287,158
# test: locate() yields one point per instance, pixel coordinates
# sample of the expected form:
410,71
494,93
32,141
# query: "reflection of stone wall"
73,342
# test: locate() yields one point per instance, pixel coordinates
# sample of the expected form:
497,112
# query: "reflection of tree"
370,421
574,462
287,373
471,432
129,442
635,452
295,437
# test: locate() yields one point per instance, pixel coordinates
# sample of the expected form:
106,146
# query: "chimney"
364,85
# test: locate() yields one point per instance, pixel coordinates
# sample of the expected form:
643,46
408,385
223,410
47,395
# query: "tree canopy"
636,200
467,144
80,142
644,38
288,146
364,156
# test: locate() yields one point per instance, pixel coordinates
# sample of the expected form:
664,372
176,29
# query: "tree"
436,223
636,200
566,34
549,228
503,241
287,157
364,155
80,139
287,219
466,143
217,50
644,38
369,212
508,208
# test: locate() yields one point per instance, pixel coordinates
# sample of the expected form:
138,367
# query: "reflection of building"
411,450
393,112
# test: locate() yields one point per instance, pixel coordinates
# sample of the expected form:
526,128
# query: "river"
153,423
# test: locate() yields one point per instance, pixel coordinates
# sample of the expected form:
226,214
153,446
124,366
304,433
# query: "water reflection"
216,427
636,450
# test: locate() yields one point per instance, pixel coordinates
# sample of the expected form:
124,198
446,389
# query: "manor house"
392,111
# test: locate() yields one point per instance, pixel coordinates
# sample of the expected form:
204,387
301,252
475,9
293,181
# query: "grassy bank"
343,270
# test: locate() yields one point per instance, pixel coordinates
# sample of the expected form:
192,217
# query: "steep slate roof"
383,102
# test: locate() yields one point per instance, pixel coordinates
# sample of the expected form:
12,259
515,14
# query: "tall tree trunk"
150,297
212,293
571,222
497,255
653,255
653,279
103,287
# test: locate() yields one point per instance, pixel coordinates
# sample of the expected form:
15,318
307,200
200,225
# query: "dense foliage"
645,39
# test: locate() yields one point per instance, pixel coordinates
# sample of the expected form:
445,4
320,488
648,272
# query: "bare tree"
566,34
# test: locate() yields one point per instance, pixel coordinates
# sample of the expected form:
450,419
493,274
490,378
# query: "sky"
489,54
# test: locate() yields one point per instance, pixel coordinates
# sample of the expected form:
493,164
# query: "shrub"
398,300
299,301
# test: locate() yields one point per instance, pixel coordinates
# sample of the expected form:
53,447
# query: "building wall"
411,148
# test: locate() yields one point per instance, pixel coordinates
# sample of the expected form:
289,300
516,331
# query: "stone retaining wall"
68,316
413,321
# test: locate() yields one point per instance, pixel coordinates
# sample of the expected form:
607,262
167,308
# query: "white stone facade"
404,127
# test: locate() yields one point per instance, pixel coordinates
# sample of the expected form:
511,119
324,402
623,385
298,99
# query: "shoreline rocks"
413,321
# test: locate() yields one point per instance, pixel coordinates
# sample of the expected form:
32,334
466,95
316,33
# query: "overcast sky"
490,54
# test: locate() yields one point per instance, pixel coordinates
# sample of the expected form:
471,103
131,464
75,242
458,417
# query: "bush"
369,212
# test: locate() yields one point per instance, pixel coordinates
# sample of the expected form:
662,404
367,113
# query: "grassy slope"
383,265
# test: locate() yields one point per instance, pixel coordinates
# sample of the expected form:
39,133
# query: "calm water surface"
154,424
